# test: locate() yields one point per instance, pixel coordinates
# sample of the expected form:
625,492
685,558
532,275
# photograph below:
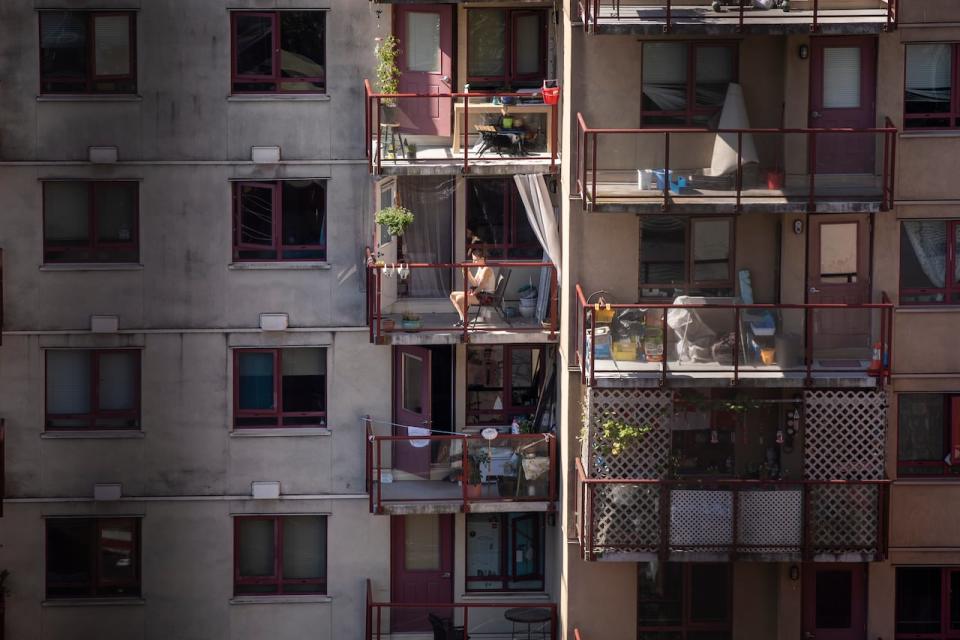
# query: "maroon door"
421,569
425,36
412,402
843,95
834,601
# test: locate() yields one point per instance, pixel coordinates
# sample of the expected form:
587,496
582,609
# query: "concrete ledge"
285,432
94,602
279,97
91,97
928,309
97,266
94,434
279,266
286,599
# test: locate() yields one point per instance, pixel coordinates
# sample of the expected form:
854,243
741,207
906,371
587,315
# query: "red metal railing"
590,13
3,468
830,517
588,165
528,480
657,317
373,110
375,295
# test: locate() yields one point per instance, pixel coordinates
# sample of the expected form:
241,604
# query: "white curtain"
430,237
543,220
929,242
929,72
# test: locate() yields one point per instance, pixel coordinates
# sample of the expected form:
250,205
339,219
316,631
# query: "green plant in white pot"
396,219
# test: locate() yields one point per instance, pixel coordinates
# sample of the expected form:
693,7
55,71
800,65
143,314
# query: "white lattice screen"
843,435
648,458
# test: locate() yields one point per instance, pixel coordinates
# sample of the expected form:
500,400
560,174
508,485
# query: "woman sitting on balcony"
479,285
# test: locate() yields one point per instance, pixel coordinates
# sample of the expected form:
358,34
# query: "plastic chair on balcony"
494,300
443,629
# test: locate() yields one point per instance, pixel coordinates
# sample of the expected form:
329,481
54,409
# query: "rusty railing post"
666,170
739,153
466,138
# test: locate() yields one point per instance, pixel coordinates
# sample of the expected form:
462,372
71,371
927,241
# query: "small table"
528,617
489,107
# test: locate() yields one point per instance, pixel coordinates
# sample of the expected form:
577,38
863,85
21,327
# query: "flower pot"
409,325
474,490
775,179
387,324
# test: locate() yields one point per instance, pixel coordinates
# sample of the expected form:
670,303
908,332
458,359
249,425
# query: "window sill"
950,481
289,599
279,97
280,432
945,308
94,602
93,434
279,266
930,133
537,596
89,97
93,266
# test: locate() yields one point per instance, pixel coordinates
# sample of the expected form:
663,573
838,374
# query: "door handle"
813,290
815,115
445,574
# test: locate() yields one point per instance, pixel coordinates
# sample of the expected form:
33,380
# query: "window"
93,557
929,268
279,52
685,256
87,52
505,552
928,439
497,221
927,602
506,47
276,555
282,220
930,91
90,221
688,602
503,382
93,389
280,387
685,83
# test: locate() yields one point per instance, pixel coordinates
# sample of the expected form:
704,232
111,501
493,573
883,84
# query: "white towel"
418,431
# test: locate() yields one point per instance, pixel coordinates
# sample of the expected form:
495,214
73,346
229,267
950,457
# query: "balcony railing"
3,468
461,620
802,342
384,302
663,175
669,14
751,519
533,143
404,471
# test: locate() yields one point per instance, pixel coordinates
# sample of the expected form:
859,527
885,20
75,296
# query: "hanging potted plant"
396,219
388,76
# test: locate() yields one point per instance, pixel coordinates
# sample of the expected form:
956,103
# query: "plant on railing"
396,219
614,434
388,74
525,425
477,458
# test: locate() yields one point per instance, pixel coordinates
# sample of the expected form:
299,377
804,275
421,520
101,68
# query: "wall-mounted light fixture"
803,51
798,226
794,572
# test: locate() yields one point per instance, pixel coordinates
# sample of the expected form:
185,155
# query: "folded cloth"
418,431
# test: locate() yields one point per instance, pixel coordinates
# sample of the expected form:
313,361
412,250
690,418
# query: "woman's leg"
457,299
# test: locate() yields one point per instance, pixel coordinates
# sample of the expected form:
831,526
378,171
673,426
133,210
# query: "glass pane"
256,546
918,600
303,49
921,423
117,384
661,600
66,213
929,78
527,34
111,45
524,371
304,218
663,250
413,380
256,383
485,382
923,254
304,379
116,205
484,542
117,551
422,42
68,381
525,546
956,252
715,71
711,250
63,45
664,76
304,547
256,215
254,45
69,557
954,600
485,212
834,599
486,38
841,77
709,593
838,252
421,543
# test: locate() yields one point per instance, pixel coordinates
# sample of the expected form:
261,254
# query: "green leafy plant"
388,74
525,425
396,219
618,435
477,458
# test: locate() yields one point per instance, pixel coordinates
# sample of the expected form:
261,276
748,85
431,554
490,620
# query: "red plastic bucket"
551,95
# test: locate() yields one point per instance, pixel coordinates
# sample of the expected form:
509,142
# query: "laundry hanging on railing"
419,431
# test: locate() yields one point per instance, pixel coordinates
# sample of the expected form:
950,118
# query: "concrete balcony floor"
439,159
438,328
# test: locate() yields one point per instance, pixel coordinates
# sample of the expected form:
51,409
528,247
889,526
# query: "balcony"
511,314
723,342
411,474
779,170
481,133
653,17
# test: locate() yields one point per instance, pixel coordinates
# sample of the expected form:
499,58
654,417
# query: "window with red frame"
281,220
926,603
90,221
928,441
505,552
688,601
506,47
685,83
497,221
275,555
88,52
279,52
503,382
93,557
93,389
931,98
929,267
280,387
686,256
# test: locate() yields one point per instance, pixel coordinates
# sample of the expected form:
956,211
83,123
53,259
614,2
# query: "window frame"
691,111
277,578
276,214
689,283
954,114
687,622
509,410
945,633
95,413
950,439
276,77
951,289
513,211
507,555
93,245
96,524
278,412
92,78
510,74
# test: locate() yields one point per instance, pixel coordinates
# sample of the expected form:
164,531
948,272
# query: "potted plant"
410,321
474,480
388,75
396,219
411,150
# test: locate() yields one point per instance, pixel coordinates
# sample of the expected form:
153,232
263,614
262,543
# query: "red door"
843,95
424,34
421,569
412,403
834,601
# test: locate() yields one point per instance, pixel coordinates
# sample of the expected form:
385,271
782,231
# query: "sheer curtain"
928,239
928,83
430,237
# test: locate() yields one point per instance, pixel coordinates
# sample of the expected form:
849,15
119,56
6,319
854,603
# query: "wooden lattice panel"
846,518
701,518
626,518
770,521
648,458
844,435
